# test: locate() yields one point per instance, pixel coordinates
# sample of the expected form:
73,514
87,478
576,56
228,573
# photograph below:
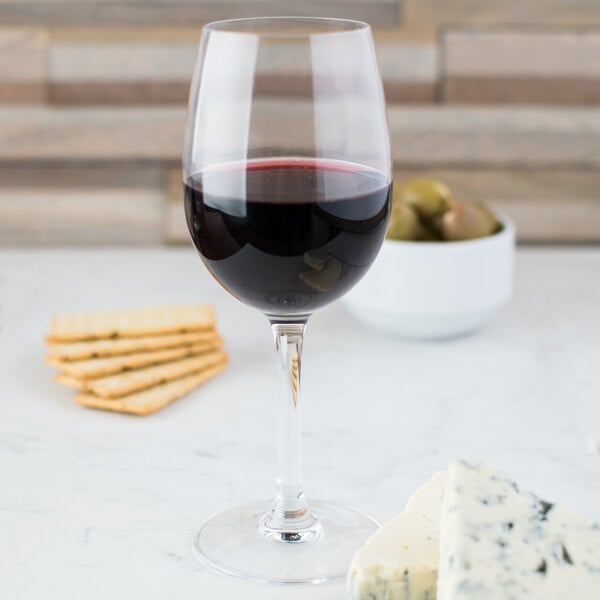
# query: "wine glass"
287,190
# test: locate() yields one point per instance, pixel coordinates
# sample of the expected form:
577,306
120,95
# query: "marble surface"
97,505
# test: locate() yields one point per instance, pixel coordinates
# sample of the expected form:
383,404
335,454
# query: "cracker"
152,399
52,360
102,348
133,381
69,381
102,367
138,322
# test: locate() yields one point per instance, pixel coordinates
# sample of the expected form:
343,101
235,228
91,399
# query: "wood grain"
92,134
187,12
521,67
80,216
120,72
97,61
159,71
572,91
23,65
547,205
82,205
144,34
520,137
53,175
440,13
175,225
421,135
410,71
555,222
118,93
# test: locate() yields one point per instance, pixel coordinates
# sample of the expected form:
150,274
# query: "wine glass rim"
242,26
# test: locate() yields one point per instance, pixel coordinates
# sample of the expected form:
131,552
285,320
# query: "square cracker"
101,348
152,399
69,381
131,323
102,367
129,382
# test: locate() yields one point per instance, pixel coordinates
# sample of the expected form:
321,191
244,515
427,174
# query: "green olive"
495,224
466,221
404,223
429,197
431,234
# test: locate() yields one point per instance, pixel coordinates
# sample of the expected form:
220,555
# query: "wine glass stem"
290,519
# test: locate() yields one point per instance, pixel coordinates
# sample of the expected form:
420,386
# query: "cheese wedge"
400,560
499,542
481,537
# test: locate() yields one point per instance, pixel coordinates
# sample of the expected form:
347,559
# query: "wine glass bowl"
287,190
295,236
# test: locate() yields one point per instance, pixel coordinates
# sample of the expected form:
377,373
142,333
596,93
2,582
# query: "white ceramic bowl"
434,290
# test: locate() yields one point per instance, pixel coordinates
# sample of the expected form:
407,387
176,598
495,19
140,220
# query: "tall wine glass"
287,196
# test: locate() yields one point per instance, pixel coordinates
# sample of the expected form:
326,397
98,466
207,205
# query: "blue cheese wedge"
499,542
400,560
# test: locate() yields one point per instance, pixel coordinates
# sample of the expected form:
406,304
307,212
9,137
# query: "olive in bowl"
444,270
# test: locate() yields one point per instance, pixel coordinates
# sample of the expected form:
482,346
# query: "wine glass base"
232,544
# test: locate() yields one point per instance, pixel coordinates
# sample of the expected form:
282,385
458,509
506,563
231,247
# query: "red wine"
288,236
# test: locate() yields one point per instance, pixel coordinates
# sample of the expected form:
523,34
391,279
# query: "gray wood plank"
495,136
410,71
90,135
521,52
187,12
491,66
555,222
118,93
56,175
564,91
117,72
436,13
436,135
80,206
96,61
176,231
80,217
23,64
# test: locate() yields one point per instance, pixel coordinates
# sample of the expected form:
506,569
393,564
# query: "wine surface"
287,236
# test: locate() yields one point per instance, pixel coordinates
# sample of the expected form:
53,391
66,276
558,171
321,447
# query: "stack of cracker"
135,361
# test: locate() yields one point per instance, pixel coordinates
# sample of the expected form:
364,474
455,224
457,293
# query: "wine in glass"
287,196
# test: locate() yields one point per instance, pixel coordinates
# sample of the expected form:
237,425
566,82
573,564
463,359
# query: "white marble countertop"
97,505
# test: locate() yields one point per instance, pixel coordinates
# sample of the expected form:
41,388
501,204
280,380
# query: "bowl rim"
508,231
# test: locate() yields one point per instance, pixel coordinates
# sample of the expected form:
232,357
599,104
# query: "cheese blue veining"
498,542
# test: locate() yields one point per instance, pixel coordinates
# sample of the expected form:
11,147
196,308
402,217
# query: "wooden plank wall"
520,67
134,13
501,100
